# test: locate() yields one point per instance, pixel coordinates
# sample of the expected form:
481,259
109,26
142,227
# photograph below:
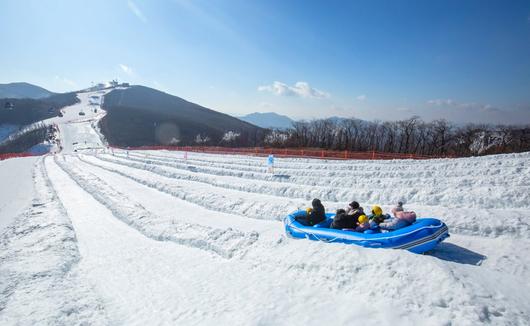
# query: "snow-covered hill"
149,237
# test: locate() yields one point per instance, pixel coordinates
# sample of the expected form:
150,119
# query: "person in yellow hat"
377,215
363,224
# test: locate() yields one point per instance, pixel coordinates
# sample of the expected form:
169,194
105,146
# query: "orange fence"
13,155
290,152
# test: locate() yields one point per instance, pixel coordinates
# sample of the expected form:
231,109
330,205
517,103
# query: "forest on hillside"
411,136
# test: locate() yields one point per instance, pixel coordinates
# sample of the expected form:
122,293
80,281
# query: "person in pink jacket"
400,219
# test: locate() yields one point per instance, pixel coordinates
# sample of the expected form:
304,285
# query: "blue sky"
466,61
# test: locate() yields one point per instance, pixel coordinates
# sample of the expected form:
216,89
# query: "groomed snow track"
150,238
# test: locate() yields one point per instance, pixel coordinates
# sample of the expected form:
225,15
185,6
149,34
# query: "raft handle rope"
290,224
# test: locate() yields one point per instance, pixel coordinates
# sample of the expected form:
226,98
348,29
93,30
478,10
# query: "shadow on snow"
451,252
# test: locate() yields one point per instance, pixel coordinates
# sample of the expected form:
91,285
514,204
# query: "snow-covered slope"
151,238
79,132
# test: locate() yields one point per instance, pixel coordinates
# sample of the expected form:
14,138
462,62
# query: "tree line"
410,136
27,138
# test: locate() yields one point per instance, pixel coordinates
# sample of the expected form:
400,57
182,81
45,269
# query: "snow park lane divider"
430,172
208,168
39,280
414,182
258,206
464,220
440,191
225,243
451,167
300,176
251,182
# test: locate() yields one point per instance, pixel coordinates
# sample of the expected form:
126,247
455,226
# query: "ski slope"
147,237
79,132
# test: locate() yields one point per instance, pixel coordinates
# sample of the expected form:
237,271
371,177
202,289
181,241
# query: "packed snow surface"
149,237
16,188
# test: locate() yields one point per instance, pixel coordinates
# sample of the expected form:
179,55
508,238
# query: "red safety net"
290,152
6,156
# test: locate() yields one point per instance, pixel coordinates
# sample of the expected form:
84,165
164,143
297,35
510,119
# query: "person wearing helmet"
377,215
363,224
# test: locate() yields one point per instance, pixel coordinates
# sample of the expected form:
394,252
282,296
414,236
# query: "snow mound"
223,242
39,282
274,199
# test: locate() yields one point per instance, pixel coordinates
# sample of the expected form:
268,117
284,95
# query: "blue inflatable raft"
421,236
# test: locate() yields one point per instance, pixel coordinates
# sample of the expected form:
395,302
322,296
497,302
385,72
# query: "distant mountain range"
23,90
268,120
139,115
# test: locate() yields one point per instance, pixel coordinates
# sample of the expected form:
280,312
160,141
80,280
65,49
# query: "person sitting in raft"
377,215
313,215
354,210
398,208
400,220
342,220
363,224
347,219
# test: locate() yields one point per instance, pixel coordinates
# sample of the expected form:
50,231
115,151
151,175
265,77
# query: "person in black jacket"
347,219
315,215
342,220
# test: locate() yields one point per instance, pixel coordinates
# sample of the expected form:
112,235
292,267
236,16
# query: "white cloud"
66,81
441,102
300,89
126,69
136,11
361,97
449,103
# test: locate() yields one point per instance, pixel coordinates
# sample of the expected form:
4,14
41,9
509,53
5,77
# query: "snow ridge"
276,199
39,283
225,242
434,182
226,200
